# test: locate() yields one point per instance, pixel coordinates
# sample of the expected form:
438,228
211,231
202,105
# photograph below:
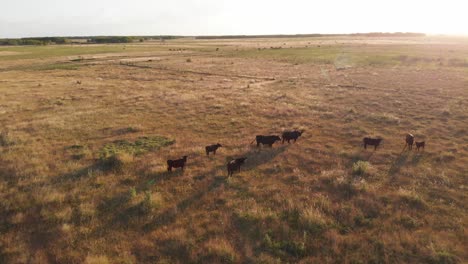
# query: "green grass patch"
140,146
361,167
41,52
326,55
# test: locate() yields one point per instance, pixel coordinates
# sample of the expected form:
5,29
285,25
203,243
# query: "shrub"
117,162
384,118
443,257
361,167
411,198
140,146
5,139
218,251
292,248
313,221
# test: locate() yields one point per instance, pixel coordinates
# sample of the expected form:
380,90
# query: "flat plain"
86,131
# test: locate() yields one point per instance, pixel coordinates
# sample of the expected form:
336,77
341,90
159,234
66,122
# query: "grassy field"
86,132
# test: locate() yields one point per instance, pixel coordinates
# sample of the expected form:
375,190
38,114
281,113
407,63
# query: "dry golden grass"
321,200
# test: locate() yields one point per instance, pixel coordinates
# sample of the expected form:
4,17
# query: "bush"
361,167
313,221
444,257
5,139
140,146
117,162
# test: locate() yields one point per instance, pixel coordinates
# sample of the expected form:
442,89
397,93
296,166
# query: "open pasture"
87,129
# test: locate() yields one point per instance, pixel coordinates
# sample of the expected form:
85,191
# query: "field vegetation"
86,131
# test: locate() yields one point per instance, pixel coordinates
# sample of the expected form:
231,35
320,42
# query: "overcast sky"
27,18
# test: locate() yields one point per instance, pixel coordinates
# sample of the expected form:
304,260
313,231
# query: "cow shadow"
119,211
85,172
398,162
262,155
360,154
255,158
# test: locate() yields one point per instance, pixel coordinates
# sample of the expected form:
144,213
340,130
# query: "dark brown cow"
419,145
212,148
266,140
409,141
372,142
179,163
291,135
235,165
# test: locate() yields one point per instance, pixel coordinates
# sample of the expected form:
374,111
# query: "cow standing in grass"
266,140
419,145
372,142
409,141
235,165
291,135
179,163
212,148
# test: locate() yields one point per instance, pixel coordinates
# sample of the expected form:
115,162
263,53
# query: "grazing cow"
266,140
290,135
179,163
212,148
421,144
235,165
409,141
372,142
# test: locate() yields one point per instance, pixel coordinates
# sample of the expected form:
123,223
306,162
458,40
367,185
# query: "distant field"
87,129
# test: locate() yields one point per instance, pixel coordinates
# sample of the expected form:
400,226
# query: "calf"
290,135
266,140
179,163
235,165
212,148
409,141
372,142
421,144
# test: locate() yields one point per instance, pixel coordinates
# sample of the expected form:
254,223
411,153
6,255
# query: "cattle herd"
235,164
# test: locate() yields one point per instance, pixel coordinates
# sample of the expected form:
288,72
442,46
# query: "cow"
179,163
235,165
290,135
266,140
212,148
409,141
419,145
372,141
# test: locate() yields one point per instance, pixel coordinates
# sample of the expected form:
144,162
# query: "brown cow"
421,144
266,140
291,135
212,148
179,163
372,142
409,141
235,165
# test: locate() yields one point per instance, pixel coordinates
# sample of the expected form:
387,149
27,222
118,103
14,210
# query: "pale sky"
33,18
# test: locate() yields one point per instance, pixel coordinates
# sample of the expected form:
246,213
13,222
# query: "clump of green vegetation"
361,167
313,220
117,162
411,198
78,151
218,251
384,118
5,139
443,257
140,146
408,222
280,248
445,157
